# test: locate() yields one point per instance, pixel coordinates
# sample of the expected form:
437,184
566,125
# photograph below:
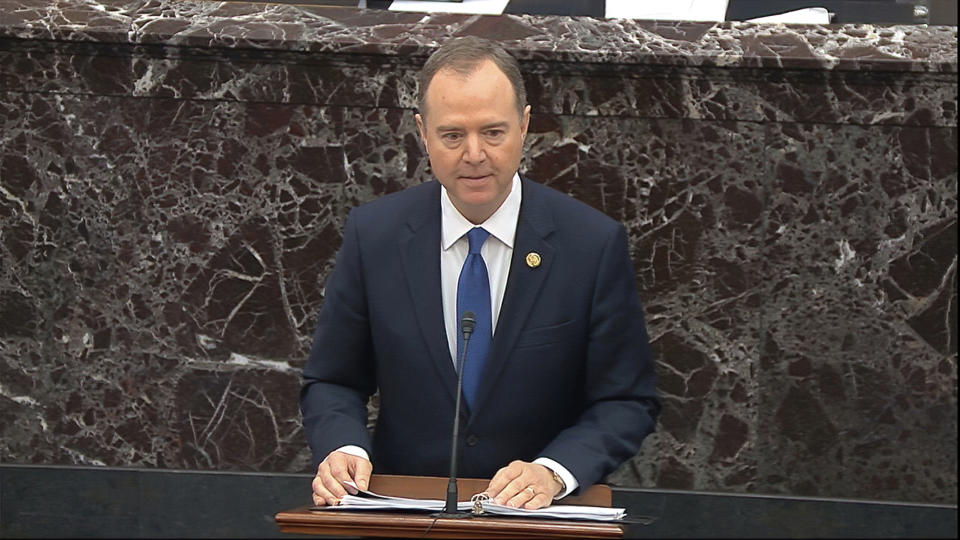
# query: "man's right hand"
337,468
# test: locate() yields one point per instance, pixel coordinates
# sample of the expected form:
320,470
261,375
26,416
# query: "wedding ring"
530,489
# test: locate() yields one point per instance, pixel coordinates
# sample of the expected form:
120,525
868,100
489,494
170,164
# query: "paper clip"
478,501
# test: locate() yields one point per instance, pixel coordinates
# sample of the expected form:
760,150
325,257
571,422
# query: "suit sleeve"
620,403
339,376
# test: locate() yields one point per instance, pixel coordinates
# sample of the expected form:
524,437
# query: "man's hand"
337,468
524,485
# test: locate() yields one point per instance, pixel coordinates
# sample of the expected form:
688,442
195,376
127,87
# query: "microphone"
467,323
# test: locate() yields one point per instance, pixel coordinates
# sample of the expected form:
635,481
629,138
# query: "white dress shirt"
496,252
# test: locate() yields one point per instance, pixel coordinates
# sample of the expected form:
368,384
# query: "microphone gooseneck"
467,323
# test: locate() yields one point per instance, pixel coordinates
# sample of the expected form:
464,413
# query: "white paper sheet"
367,500
476,7
679,10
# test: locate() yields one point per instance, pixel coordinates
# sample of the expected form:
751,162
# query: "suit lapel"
523,285
420,253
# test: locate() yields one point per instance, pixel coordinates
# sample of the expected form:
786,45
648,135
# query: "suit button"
472,440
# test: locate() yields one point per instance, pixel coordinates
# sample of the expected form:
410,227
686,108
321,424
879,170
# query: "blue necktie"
473,294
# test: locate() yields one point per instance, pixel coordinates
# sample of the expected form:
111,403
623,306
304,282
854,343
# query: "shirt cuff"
569,482
354,450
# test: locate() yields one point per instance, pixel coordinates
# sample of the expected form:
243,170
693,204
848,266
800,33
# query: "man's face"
474,135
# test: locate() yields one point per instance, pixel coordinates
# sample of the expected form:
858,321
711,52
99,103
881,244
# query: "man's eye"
495,133
450,137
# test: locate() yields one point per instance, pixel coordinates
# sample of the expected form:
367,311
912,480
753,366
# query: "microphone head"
467,322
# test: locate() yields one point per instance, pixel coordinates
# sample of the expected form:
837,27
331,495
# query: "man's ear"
524,122
421,128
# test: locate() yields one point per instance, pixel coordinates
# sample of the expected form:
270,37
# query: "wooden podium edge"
423,525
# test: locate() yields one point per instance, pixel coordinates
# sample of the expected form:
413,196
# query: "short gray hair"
462,55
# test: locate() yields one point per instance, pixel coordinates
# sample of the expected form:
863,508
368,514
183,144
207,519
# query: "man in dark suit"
558,378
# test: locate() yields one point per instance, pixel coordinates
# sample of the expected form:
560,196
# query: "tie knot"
477,236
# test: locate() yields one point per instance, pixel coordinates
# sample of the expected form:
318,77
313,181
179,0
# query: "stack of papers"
480,505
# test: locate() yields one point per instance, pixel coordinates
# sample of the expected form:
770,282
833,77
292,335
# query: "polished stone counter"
115,502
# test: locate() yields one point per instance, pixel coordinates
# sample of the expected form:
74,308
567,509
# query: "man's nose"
474,151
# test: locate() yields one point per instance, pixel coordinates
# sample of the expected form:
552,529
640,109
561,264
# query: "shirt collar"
502,225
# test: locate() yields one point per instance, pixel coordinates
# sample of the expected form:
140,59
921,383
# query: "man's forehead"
450,78
465,71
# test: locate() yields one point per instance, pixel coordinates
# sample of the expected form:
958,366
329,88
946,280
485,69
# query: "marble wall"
174,177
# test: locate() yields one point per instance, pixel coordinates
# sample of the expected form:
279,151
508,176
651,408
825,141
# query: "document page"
480,504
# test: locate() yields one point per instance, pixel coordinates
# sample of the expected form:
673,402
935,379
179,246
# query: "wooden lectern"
423,525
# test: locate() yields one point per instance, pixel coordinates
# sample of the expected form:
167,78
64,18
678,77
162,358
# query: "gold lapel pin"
533,259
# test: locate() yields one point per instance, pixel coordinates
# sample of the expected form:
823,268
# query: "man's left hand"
524,485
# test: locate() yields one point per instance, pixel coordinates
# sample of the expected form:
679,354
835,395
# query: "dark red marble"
174,179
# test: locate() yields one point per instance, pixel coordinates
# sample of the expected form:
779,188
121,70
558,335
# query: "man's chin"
473,204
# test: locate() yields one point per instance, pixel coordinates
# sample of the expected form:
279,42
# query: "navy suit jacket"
569,377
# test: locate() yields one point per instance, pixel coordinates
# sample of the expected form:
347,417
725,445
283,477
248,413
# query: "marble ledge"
284,27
